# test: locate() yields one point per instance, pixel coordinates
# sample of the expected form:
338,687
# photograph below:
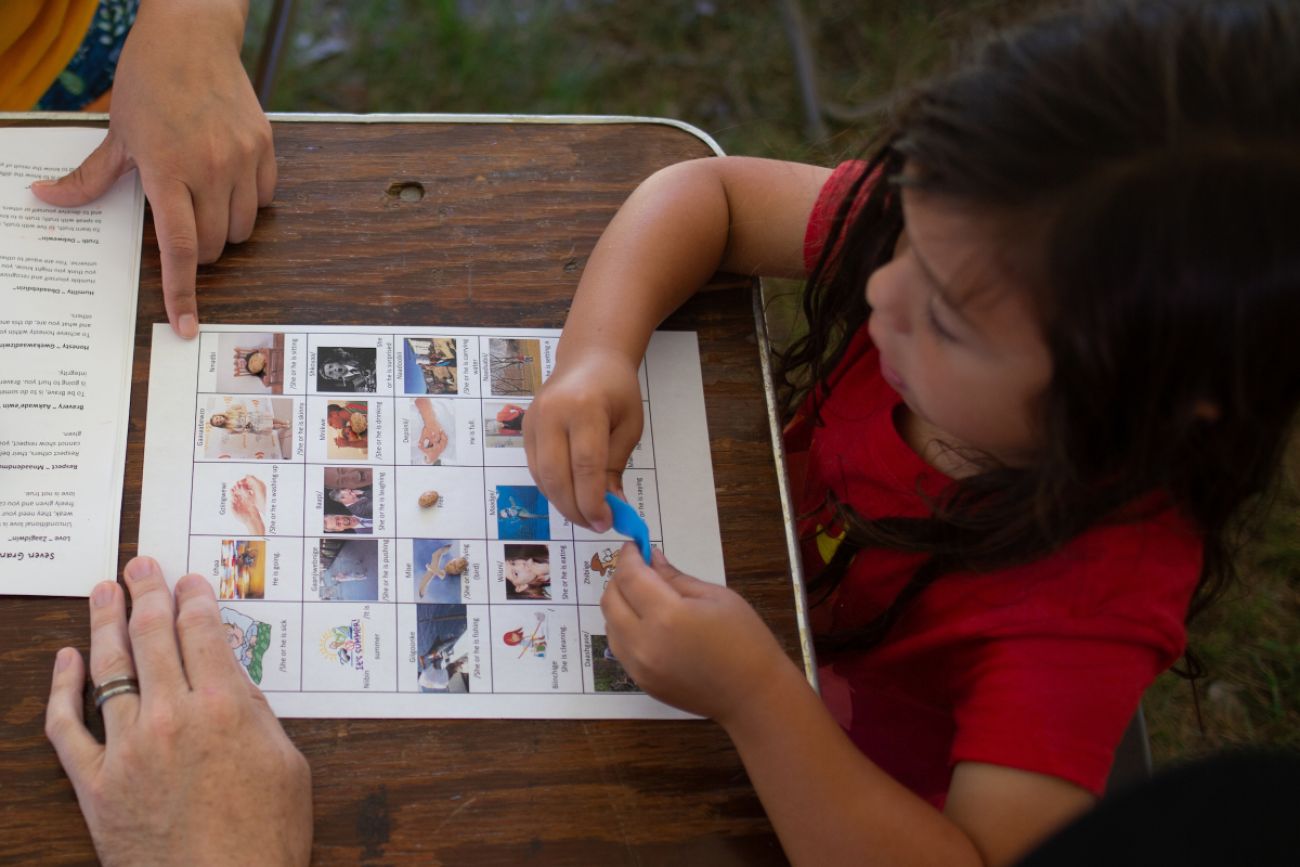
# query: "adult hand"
579,432
185,114
195,769
694,645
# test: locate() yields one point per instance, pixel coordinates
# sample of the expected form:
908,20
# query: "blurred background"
804,80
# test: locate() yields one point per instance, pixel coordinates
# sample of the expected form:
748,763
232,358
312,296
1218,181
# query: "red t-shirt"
1038,667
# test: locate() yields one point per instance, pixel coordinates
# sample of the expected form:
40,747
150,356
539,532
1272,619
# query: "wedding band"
113,687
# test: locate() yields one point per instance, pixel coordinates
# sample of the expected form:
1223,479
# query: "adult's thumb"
88,181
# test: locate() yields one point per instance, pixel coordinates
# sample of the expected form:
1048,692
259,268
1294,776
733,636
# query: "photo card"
534,649
345,570
446,571
249,638
439,503
236,362
347,646
503,432
439,431
503,424
446,651
514,365
596,563
347,429
526,571
517,510
242,572
247,428
232,499
607,673
348,500
265,639
353,369
602,671
522,512
435,366
445,648
244,568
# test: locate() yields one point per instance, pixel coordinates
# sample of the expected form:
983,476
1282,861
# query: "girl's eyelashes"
936,326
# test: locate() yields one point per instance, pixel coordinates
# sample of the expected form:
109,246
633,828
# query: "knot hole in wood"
407,191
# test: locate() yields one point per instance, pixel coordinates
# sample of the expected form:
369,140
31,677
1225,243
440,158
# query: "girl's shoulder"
1127,580
842,181
1151,536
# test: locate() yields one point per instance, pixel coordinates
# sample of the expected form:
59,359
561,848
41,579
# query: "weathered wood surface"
510,213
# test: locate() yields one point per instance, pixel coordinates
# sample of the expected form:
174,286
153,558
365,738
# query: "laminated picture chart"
360,500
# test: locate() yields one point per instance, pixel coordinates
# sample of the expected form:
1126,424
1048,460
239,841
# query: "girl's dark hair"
536,553
1154,147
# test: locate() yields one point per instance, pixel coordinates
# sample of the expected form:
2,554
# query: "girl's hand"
579,432
195,768
694,645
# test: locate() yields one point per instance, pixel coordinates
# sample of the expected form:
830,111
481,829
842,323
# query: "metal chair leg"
274,42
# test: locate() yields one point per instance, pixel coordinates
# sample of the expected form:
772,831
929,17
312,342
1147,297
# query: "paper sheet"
68,285
360,500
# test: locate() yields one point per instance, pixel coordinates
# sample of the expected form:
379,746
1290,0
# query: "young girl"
1051,352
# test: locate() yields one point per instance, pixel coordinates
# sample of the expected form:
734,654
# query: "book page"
360,501
68,285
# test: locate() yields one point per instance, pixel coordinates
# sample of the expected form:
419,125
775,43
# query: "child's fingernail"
187,325
45,183
102,594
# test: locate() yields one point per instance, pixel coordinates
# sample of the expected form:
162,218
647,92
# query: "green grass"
1250,646
726,67
723,66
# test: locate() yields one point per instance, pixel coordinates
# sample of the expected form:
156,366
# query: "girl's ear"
1206,410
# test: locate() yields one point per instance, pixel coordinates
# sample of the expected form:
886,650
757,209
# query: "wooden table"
511,209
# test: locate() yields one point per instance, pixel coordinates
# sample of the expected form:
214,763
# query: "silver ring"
113,687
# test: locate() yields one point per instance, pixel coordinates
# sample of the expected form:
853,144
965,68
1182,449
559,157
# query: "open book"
68,285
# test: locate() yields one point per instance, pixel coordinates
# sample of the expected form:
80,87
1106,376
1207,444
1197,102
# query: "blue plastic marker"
629,523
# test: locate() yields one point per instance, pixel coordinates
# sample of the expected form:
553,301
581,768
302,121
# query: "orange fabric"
37,39
101,102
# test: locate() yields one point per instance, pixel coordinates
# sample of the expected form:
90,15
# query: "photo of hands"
247,499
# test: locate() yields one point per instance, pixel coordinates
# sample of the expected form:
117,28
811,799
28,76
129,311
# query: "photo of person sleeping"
503,425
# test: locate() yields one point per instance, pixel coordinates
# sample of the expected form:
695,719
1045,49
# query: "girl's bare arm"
678,228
